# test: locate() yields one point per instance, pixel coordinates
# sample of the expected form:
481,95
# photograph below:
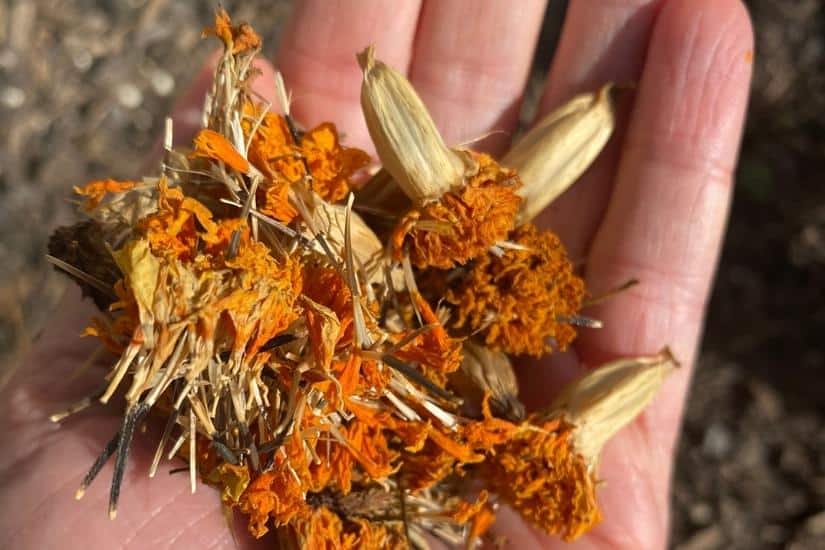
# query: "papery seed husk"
608,398
405,136
486,371
557,151
330,219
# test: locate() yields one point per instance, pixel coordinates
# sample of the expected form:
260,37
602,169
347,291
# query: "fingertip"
732,15
697,75
714,29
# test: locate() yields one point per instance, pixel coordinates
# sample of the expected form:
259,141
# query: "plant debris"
334,389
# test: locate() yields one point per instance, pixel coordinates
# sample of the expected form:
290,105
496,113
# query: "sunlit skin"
653,207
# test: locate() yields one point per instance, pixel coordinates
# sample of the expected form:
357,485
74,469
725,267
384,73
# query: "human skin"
653,207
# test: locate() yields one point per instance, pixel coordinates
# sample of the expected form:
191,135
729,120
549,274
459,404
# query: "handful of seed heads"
334,357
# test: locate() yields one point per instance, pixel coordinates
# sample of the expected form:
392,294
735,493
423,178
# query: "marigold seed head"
606,399
517,301
462,224
487,374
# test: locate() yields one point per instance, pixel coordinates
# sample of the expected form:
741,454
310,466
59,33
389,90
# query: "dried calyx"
334,389
407,141
556,151
602,402
463,202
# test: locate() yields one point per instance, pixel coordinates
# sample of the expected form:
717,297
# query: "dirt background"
84,87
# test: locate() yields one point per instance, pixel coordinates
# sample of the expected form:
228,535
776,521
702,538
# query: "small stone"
12,97
717,441
129,95
162,82
701,513
815,524
82,60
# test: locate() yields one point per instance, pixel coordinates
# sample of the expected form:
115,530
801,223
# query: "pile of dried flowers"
343,383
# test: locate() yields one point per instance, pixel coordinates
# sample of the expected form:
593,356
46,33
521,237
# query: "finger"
470,65
317,56
602,41
664,225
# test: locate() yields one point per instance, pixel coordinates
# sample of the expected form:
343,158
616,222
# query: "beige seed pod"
557,151
405,136
483,370
608,398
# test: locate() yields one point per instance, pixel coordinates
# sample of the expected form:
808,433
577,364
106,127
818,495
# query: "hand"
653,207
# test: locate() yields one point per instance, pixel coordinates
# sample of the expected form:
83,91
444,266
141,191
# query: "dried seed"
484,371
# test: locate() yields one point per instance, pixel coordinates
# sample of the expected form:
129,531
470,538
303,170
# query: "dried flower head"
520,300
297,365
464,224
404,134
557,150
540,473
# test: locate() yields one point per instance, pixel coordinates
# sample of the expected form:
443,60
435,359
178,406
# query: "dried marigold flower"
318,154
327,287
331,164
540,474
274,495
433,350
326,531
518,301
462,224
237,39
96,191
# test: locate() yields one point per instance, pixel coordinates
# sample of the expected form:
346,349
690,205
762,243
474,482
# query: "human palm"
653,207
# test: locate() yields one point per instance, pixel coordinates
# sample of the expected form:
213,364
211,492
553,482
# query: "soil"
84,87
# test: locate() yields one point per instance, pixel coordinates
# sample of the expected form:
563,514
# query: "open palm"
653,208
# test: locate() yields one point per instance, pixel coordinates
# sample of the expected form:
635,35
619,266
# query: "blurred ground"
84,86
